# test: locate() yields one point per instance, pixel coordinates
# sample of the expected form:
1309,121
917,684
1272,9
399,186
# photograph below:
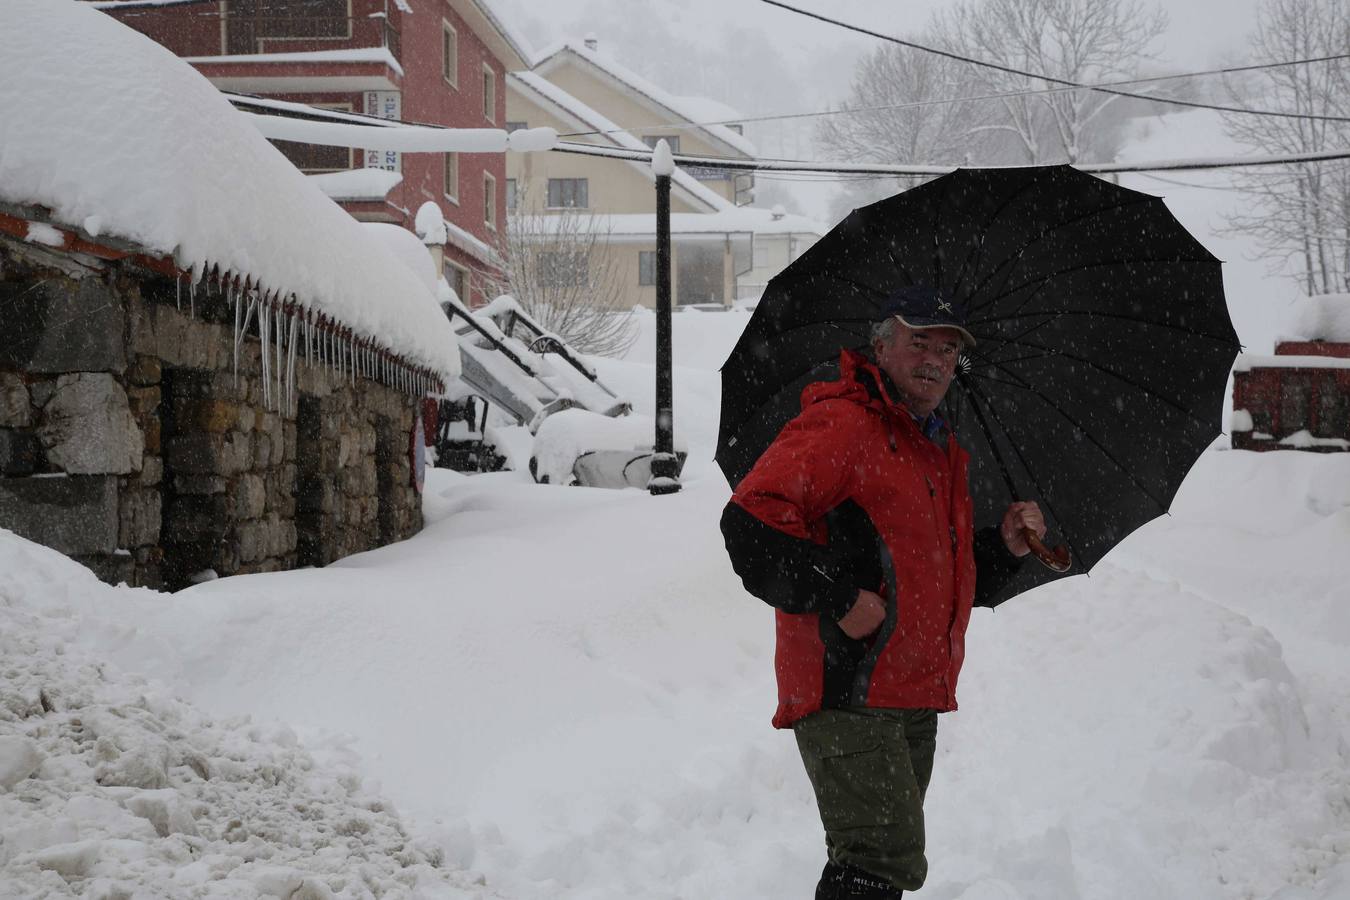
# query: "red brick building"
441,62
1297,399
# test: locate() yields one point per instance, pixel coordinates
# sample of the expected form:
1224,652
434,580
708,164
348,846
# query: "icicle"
281,365
192,298
178,291
264,332
236,340
290,364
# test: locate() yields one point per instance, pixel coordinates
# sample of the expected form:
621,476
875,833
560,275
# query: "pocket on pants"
861,776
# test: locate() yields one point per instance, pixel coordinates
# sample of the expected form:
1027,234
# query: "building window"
646,268
449,53
489,201
452,176
568,193
672,139
489,94
314,159
458,279
510,193
516,126
562,268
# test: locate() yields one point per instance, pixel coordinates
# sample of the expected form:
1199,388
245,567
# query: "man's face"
921,362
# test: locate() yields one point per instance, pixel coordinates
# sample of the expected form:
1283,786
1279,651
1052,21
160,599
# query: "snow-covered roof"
1247,361
351,54
1325,317
682,109
471,245
357,184
134,142
514,39
595,121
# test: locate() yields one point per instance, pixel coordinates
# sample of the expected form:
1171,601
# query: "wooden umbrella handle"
1057,560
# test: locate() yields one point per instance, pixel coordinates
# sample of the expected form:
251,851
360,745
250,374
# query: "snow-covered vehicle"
584,433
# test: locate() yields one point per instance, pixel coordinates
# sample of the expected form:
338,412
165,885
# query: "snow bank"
132,135
1325,317
111,787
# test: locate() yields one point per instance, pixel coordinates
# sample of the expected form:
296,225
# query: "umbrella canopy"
1103,342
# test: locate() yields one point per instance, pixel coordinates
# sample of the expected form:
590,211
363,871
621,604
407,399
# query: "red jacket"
856,496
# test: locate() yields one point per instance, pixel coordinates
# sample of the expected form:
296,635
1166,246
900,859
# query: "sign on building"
386,105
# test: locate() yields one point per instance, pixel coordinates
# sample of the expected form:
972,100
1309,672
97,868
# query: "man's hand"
865,616
1023,514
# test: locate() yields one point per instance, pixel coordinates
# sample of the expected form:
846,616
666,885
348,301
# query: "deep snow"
566,694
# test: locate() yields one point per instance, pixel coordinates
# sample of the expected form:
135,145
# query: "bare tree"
1302,213
1082,41
559,270
890,118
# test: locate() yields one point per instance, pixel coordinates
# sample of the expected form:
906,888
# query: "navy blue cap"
921,306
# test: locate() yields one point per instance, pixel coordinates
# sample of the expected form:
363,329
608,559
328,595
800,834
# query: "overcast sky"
1202,33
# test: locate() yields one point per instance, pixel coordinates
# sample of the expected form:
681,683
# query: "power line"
1050,78
299,110
760,165
1004,95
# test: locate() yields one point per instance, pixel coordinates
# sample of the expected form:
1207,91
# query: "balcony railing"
253,26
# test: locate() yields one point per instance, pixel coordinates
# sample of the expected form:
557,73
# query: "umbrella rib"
976,394
1059,273
1000,363
1102,447
1088,435
890,254
1125,378
1015,257
965,267
1017,339
1112,315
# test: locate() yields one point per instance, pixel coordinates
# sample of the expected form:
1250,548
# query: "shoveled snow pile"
112,788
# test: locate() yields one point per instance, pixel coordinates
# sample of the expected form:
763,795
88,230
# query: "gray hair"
882,330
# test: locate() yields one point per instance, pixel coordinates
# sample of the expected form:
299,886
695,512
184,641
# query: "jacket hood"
859,381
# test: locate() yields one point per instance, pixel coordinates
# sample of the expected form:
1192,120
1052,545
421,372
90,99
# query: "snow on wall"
133,136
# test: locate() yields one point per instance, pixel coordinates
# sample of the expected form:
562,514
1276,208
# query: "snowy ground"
563,694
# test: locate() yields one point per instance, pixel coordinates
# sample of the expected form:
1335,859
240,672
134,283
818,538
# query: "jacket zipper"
951,533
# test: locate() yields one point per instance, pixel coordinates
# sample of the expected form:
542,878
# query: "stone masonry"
129,442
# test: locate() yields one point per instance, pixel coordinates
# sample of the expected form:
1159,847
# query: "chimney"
592,43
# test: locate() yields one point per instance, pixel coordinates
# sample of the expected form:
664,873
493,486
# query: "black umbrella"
1103,342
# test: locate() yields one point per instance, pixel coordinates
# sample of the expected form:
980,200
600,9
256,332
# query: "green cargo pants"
870,770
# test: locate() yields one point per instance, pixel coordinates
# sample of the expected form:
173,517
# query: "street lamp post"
665,466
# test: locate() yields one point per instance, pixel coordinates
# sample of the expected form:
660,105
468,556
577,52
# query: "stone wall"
129,442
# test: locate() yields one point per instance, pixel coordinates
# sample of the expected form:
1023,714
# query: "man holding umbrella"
856,524
1104,346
